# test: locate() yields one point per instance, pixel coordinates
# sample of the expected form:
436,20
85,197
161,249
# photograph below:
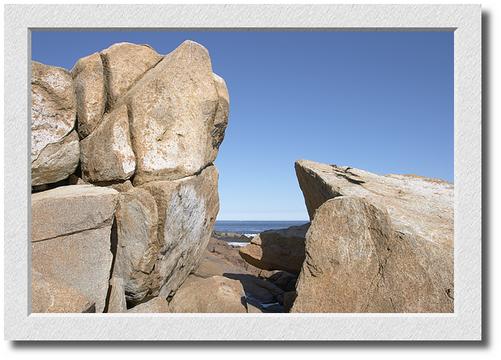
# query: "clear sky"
380,101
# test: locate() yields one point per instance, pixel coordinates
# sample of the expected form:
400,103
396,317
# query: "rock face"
173,111
124,64
138,242
277,249
88,77
146,129
417,205
215,294
71,228
376,243
107,154
155,305
49,296
54,144
187,210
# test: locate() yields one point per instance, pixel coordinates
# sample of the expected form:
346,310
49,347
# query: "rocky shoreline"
125,198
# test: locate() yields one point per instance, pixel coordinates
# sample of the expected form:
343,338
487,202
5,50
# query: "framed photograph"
243,172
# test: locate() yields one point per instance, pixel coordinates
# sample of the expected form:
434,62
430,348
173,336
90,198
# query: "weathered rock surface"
356,262
88,77
138,245
216,294
53,114
173,109
52,297
70,209
124,64
417,205
106,155
187,211
277,249
155,305
116,299
71,229
56,161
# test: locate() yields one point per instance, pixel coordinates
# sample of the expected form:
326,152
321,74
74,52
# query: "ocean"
251,228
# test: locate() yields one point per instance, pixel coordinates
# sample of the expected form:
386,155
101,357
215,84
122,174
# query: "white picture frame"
466,321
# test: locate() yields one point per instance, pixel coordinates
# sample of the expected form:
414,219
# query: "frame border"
463,324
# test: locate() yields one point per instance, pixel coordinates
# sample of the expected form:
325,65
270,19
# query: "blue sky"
380,101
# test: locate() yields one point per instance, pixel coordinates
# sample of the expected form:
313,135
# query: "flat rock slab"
71,232
49,296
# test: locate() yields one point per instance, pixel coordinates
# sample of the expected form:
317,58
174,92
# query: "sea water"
251,228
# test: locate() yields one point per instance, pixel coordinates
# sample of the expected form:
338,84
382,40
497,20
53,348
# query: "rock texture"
155,305
357,262
106,154
124,64
376,243
54,144
90,90
416,205
138,245
49,296
173,109
187,211
138,132
71,228
215,294
277,249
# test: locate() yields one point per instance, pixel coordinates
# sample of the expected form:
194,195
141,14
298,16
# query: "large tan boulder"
71,231
216,294
48,296
88,77
416,205
138,245
54,144
124,64
357,262
187,210
106,155
277,249
173,109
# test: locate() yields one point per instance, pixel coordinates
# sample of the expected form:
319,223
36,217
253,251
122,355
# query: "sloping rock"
138,242
173,109
48,296
416,205
356,262
215,294
53,114
106,155
88,77
187,211
277,249
155,305
116,299
124,64
71,229
57,161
